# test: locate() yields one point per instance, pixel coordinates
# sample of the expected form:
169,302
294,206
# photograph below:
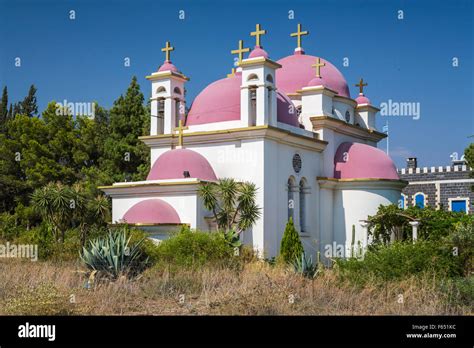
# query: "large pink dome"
361,161
296,73
152,211
173,163
220,101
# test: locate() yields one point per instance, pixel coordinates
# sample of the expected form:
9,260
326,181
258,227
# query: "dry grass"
259,289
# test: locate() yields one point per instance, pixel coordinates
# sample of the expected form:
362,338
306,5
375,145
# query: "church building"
290,126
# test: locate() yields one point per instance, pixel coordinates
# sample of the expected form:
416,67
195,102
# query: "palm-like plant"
53,202
232,204
64,207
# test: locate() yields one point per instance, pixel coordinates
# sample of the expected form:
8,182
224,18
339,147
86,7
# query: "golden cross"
167,49
180,129
232,73
318,66
257,33
240,51
361,85
299,34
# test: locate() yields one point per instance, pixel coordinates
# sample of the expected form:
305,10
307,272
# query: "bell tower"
168,103
258,99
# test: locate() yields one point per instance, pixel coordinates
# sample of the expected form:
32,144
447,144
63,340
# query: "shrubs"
113,255
305,266
291,247
400,260
194,248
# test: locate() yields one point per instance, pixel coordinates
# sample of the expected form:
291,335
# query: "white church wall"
242,160
354,204
278,169
340,109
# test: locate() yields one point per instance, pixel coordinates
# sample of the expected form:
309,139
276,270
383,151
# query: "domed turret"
179,164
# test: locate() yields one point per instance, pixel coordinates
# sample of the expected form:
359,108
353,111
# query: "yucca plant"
305,266
232,238
113,256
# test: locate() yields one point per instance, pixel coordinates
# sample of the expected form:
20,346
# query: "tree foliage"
291,248
232,203
57,160
434,224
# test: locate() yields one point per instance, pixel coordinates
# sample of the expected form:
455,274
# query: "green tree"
29,106
469,156
126,157
291,248
232,203
3,109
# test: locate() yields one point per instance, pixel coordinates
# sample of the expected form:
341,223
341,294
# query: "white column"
245,105
262,106
170,113
364,224
414,226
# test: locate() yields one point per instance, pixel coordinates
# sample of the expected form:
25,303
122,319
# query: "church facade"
290,126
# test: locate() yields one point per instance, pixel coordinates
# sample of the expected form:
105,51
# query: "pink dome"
167,65
362,99
317,81
220,101
152,211
296,73
258,51
173,163
361,161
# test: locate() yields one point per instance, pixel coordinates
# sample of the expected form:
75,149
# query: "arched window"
291,198
269,100
252,77
161,114
177,90
303,192
160,90
402,203
270,78
253,105
419,199
177,106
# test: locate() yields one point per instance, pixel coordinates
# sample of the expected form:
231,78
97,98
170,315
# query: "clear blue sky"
407,60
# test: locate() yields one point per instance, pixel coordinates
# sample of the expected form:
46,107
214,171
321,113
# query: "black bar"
225,330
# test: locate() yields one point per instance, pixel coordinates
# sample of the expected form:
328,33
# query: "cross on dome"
361,85
180,130
167,49
232,73
318,67
257,33
299,34
240,51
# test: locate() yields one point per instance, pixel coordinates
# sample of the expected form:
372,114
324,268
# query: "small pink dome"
167,65
258,51
361,161
317,81
220,101
296,73
173,163
152,211
362,99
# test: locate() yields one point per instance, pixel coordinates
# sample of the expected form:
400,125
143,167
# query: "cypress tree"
28,106
291,247
3,108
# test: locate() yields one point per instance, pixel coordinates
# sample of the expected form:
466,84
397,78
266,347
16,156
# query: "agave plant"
113,256
305,266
